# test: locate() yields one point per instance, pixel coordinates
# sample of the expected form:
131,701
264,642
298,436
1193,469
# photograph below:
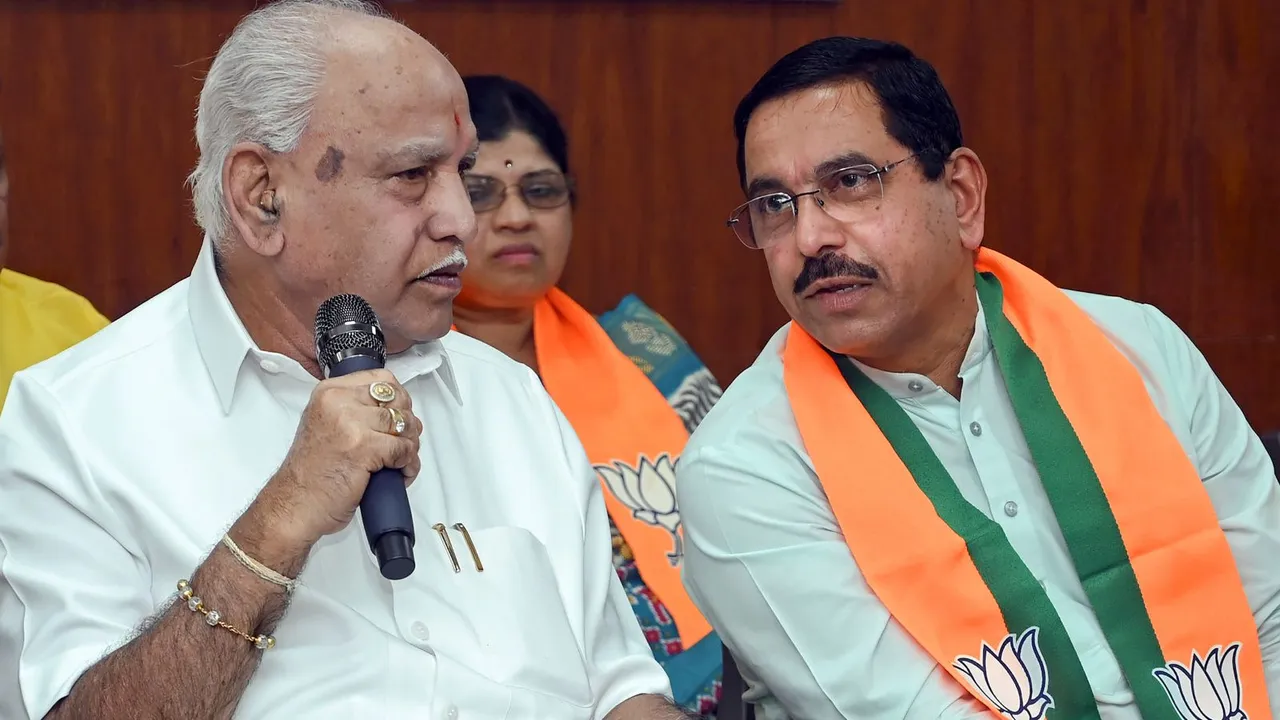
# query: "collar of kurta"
225,345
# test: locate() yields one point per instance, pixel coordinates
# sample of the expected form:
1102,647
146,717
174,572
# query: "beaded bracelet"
213,618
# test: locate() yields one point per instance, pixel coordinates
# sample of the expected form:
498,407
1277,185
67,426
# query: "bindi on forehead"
457,120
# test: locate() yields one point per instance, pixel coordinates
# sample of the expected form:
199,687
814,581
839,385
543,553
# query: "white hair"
261,89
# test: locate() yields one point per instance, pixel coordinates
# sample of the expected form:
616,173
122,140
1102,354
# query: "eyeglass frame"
504,186
876,171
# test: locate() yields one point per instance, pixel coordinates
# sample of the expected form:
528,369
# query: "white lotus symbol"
1014,678
650,492
1207,690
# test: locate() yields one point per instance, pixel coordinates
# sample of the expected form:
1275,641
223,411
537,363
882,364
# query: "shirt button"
420,630
976,428
270,366
1011,508
452,712
915,386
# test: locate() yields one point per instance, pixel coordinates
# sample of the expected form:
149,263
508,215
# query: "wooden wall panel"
1129,143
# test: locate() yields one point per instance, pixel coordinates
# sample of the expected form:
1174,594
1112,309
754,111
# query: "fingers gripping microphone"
348,339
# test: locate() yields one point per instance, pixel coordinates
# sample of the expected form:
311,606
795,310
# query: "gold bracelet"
213,618
258,568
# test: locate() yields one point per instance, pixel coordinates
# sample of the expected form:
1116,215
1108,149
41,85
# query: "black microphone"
348,339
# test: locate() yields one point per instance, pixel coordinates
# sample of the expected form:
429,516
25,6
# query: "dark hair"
500,105
916,108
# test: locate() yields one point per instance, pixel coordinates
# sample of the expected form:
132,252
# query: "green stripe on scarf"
1021,598
1081,507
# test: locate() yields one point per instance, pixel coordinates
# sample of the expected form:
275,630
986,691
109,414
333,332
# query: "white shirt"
766,563
123,461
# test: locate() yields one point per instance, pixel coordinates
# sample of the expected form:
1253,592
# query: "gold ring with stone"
382,392
398,423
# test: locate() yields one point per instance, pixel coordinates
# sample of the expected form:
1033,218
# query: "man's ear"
254,201
967,179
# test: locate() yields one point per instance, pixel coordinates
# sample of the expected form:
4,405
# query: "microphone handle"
384,507
388,523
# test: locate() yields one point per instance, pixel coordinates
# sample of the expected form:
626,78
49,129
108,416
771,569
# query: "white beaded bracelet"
213,618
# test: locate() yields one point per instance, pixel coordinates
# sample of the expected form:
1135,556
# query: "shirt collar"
912,385
224,343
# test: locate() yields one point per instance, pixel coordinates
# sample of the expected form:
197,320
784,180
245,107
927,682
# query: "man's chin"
401,339
843,336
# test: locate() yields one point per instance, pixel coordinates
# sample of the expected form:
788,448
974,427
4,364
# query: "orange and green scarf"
1137,521
633,438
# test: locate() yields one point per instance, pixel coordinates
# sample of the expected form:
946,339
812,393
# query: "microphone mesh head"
336,312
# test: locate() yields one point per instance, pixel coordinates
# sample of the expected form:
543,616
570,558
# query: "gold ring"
382,392
398,423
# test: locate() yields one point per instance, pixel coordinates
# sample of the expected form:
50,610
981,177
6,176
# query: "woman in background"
628,383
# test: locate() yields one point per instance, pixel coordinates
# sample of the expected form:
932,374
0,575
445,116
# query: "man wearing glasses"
949,489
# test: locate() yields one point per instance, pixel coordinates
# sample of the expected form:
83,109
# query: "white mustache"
457,257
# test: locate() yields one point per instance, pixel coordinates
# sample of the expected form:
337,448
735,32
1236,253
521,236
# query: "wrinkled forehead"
788,137
382,94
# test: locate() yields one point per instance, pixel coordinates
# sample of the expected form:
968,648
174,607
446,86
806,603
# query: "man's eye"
414,174
775,203
851,179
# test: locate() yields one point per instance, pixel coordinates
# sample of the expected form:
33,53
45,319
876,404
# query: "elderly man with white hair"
177,493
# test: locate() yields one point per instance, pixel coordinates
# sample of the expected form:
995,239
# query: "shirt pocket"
525,633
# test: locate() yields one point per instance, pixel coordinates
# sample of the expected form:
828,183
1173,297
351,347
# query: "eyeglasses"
849,194
541,190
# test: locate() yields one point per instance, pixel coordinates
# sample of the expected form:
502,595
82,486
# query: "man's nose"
816,231
451,214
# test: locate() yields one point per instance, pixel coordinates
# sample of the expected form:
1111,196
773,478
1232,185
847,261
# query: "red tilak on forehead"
457,119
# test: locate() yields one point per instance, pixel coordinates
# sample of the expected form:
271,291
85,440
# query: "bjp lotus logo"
1208,689
1014,678
650,493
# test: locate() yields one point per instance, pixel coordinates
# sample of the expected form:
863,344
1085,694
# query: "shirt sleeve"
618,657
1241,481
766,563
62,569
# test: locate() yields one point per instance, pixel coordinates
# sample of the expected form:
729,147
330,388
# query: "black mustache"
832,265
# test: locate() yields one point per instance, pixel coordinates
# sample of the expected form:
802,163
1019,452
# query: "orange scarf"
633,438
1192,627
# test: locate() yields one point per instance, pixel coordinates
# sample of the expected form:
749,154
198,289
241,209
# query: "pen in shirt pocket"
443,532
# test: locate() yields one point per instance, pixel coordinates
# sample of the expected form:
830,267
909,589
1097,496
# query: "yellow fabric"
37,321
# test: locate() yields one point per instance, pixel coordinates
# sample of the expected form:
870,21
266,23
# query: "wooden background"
1130,145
